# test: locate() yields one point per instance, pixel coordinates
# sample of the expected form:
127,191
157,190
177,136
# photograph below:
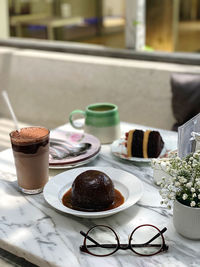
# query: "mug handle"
72,122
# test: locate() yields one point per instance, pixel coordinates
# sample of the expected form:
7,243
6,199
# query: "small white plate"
128,184
119,150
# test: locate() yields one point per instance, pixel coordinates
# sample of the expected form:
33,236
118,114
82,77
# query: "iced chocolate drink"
31,153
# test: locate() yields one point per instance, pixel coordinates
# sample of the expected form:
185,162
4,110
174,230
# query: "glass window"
128,25
88,21
173,25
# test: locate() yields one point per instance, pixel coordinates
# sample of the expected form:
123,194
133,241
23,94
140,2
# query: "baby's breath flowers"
184,181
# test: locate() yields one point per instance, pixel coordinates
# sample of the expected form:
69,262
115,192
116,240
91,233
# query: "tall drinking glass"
30,147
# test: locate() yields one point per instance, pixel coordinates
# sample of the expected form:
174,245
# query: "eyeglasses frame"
163,248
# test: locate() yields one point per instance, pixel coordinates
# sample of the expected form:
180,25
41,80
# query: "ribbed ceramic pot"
186,220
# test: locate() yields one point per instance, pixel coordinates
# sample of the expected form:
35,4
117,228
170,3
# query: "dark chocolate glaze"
30,148
137,144
92,190
155,144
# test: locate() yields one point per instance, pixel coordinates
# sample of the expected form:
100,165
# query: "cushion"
185,97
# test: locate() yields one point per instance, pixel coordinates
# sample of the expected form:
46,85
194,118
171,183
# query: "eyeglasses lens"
106,239
142,242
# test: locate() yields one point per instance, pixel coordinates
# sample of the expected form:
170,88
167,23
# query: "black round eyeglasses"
145,240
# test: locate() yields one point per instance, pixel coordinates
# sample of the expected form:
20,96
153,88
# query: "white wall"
114,8
4,20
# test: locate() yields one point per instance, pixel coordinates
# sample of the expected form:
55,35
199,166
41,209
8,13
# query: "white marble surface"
30,228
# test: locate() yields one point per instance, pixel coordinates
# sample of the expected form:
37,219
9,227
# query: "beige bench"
44,87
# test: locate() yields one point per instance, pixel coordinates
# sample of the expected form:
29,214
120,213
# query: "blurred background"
170,25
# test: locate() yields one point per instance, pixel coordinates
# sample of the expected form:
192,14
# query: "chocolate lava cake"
92,190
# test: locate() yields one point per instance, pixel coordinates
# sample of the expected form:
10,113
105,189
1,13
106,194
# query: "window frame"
102,51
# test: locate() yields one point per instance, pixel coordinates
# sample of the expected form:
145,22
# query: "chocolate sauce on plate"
118,201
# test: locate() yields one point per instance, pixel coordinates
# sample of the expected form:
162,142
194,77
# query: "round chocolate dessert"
92,190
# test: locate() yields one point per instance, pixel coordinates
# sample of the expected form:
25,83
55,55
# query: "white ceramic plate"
73,165
119,150
128,184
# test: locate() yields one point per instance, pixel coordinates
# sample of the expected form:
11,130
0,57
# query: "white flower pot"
186,220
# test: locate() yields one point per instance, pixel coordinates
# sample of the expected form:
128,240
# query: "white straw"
5,96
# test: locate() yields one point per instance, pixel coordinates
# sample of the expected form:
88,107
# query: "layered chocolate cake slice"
144,144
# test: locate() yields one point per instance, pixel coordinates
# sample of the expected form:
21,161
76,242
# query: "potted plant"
182,187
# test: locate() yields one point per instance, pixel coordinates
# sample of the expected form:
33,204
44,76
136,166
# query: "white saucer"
128,184
119,150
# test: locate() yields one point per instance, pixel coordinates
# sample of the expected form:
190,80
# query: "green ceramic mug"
101,120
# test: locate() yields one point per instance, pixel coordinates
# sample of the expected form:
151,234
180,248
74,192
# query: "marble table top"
31,229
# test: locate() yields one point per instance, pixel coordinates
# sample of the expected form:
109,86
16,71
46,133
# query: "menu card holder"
186,136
